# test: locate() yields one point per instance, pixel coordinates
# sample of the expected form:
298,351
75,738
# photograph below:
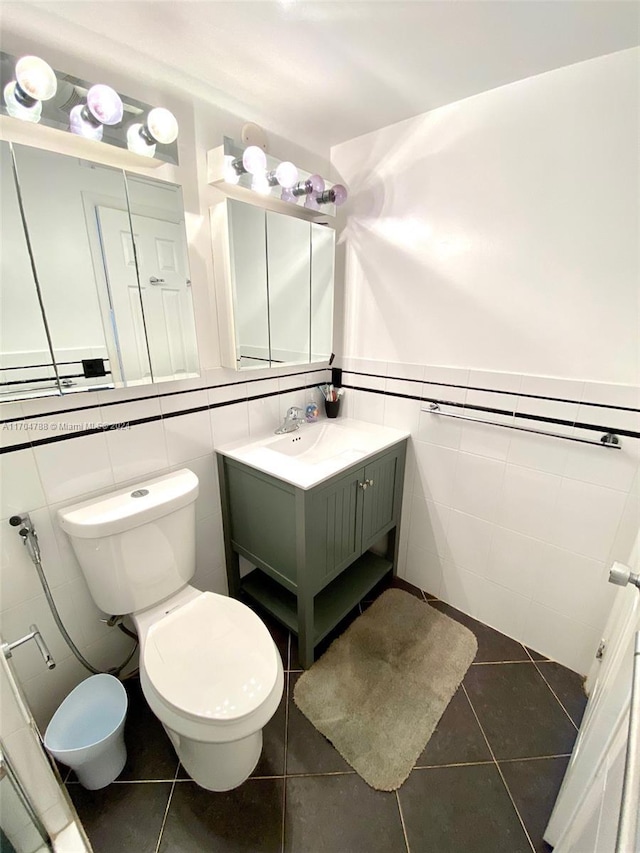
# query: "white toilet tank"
136,546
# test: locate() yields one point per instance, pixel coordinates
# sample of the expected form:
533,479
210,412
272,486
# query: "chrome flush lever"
7,648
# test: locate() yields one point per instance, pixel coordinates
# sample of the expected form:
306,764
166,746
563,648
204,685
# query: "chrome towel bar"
609,440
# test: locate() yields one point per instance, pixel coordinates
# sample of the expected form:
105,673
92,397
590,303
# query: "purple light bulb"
311,202
314,184
339,194
104,104
287,195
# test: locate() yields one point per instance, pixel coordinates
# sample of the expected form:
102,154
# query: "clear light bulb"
136,141
105,104
79,125
36,78
162,125
286,175
16,109
287,195
260,184
254,160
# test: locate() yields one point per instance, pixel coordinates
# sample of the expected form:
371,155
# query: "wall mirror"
279,286
95,287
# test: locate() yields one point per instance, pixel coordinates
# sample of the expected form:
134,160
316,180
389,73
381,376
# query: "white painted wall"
501,232
498,236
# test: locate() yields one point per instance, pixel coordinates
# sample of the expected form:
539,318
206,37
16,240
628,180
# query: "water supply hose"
30,541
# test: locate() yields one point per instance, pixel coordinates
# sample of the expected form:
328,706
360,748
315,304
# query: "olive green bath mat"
379,691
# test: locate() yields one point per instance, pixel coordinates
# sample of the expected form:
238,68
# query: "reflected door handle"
154,280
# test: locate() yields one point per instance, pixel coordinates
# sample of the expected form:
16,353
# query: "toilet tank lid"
130,507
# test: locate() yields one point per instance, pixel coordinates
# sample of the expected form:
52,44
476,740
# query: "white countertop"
314,452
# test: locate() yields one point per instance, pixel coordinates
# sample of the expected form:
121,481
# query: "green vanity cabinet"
311,546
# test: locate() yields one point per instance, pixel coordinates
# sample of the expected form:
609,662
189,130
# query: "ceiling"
324,72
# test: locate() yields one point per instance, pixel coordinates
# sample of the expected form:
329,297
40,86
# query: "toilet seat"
211,660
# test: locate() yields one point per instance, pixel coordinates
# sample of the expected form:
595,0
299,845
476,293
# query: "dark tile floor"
485,783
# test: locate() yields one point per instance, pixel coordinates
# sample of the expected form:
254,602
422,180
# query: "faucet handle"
294,412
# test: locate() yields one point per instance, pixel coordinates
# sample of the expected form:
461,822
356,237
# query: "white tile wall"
45,478
515,529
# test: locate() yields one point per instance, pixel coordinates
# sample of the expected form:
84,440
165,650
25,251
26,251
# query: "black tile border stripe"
493,411
492,391
55,412
53,439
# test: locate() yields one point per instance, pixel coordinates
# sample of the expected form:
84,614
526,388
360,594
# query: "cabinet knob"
364,485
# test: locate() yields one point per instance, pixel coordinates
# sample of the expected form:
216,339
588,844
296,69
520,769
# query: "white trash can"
87,731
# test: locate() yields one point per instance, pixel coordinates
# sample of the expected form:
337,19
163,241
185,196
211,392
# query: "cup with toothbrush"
332,397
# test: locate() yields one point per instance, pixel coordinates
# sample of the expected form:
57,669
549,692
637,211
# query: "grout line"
498,662
327,773
404,828
535,758
555,696
454,764
286,744
292,775
166,811
137,781
504,781
288,657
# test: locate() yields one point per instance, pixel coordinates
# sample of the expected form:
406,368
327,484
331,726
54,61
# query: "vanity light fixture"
161,126
104,106
245,171
35,82
37,99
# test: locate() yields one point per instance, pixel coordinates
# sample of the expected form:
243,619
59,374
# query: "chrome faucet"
292,420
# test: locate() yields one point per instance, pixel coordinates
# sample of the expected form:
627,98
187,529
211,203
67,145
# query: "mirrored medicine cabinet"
276,293
95,289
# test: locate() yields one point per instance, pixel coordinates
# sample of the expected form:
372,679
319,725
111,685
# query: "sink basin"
318,442
314,452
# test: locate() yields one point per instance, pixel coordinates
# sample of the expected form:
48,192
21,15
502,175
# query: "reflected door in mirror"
82,299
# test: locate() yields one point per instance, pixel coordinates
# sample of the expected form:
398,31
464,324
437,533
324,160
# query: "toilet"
209,668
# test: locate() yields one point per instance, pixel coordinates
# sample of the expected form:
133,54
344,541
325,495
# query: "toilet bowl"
209,668
87,731
213,676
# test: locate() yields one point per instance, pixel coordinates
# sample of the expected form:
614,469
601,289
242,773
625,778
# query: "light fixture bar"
35,93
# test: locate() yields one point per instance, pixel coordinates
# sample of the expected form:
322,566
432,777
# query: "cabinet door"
380,503
333,524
